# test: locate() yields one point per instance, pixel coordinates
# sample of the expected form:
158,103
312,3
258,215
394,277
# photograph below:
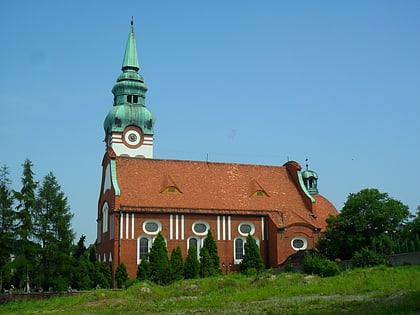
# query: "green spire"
130,57
129,107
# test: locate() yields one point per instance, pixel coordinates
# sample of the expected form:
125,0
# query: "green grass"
379,290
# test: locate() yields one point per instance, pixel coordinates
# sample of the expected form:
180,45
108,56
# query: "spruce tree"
176,264
192,265
206,264
159,261
121,275
54,234
252,258
210,247
143,269
25,250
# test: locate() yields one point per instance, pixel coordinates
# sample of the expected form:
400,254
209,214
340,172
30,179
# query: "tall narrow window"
135,99
105,218
239,248
143,247
194,241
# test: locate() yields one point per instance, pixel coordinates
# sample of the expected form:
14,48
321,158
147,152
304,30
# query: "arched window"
105,218
194,241
144,244
239,248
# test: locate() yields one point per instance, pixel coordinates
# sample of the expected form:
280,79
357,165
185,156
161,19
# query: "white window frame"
201,233
246,234
152,221
299,238
105,213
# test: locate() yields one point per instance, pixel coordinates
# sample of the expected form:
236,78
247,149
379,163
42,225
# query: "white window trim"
105,213
238,261
203,233
246,234
303,239
152,221
149,245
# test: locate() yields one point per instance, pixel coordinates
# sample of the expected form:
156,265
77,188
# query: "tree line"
163,269
37,249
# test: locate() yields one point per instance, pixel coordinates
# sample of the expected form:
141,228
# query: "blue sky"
259,82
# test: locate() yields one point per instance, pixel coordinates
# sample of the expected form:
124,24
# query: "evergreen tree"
176,264
92,253
54,234
7,219
159,261
25,250
252,257
206,264
192,265
121,275
100,275
210,246
143,269
81,248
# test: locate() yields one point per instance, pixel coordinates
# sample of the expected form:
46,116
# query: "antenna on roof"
207,158
306,163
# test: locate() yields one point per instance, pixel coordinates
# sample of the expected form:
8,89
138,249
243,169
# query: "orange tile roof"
210,186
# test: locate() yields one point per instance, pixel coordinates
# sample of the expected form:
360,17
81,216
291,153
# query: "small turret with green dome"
129,114
310,179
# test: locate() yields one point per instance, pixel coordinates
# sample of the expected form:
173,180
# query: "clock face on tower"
132,137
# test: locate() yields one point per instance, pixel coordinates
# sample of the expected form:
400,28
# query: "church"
141,196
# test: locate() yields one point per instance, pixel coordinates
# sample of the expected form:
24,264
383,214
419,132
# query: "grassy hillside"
378,290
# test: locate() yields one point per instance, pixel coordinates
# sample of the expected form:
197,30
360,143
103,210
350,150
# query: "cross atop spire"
131,60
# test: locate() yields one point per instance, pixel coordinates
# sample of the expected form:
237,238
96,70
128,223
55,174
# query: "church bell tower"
129,124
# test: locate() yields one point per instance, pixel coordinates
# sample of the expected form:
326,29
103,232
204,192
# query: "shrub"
192,265
252,257
367,258
319,265
121,275
143,269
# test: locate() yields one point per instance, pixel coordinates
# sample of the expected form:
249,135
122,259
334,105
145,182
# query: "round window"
299,243
246,228
152,227
200,228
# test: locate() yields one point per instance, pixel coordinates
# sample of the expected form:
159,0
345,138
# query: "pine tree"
213,259
192,265
143,269
252,258
159,261
176,264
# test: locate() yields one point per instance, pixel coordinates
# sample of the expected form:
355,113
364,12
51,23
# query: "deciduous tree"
368,219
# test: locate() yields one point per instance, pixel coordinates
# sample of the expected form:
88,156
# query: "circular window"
299,243
200,228
152,227
246,228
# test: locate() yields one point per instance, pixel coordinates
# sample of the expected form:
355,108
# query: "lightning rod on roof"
306,163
